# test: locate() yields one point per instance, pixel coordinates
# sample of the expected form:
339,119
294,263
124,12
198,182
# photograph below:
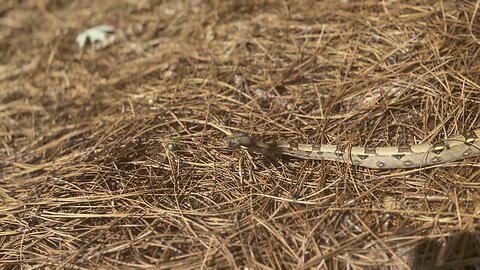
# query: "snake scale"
456,147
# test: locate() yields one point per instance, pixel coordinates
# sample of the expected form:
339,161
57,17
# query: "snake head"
239,139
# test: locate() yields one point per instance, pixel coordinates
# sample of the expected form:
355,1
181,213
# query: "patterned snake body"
454,148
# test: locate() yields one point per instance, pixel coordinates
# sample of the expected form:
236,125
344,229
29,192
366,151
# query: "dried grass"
87,180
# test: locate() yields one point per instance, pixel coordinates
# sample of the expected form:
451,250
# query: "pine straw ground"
114,158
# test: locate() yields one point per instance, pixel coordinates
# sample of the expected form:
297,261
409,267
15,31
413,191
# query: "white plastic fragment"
94,34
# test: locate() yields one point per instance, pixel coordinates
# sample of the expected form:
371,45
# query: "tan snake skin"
456,147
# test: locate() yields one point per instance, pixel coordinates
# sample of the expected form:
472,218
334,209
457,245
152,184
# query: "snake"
454,148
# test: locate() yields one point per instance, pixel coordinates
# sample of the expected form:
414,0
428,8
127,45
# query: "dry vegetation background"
114,158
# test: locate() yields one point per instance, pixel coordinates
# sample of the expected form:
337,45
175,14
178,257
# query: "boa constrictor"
457,147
